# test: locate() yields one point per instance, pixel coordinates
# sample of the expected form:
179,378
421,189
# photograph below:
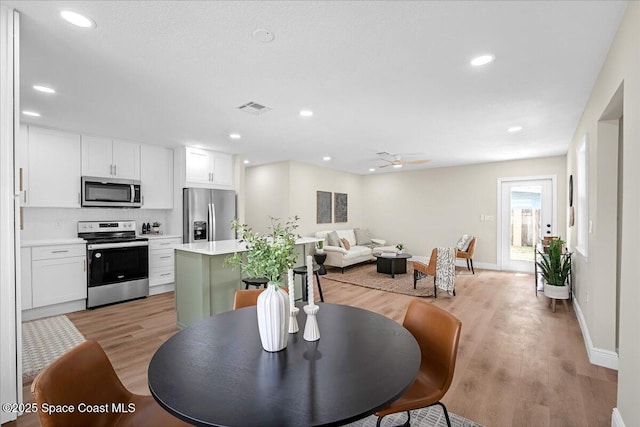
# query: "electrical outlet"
489,218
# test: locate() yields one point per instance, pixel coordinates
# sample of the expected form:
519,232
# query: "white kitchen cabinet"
25,278
107,158
52,178
161,260
58,274
156,175
208,169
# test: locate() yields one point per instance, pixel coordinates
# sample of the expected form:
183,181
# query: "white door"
528,212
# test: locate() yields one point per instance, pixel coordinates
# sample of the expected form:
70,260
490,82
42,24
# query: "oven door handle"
99,246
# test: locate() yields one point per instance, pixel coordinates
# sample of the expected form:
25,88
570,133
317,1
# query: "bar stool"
253,281
302,271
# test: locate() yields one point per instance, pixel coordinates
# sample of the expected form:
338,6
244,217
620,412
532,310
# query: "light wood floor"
519,364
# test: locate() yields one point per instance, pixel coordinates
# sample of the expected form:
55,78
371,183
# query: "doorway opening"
527,212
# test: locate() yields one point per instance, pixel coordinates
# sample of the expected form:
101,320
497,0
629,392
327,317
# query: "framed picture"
340,206
323,207
570,190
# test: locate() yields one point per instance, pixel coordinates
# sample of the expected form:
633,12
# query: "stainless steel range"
118,267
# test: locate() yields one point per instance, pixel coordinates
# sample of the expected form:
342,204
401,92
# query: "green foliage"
268,256
320,244
156,224
400,246
554,266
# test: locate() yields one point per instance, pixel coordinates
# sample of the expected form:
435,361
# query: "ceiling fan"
397,159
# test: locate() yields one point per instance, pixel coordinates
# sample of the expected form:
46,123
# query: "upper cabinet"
52,178
156,175
209,169
107,158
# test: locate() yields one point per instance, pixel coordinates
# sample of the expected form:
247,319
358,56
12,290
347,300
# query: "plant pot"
400,251
155,230
556,292
273,318
319,250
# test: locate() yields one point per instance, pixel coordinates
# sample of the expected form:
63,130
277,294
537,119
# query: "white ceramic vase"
273,318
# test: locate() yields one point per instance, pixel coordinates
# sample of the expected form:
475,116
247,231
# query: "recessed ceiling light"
514,129
77,19
482,60
44,89
372,169
235,136
326,158
397,166
246,162
306,113
31,113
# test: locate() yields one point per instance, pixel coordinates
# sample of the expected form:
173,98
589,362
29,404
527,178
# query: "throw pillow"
345,244
464,242
333,239
362,237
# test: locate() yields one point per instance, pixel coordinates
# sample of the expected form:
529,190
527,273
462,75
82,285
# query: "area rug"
44,340
433,416
365,275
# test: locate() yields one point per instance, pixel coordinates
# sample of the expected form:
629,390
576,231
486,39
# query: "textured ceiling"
380,76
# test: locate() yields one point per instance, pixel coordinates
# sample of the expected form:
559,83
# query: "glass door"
527,215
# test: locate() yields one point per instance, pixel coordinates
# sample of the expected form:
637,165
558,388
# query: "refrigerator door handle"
211,233
212,221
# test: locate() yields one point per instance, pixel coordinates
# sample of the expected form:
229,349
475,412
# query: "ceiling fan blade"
417,162
384,166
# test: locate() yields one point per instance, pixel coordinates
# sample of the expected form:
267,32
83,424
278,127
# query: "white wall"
286,189
434,207
594,275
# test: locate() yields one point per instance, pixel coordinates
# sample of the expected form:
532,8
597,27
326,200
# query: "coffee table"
392,265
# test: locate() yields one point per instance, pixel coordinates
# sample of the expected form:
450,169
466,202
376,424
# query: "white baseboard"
54,310
616,419
597,356
160,289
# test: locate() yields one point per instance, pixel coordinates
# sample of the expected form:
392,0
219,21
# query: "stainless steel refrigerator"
207,214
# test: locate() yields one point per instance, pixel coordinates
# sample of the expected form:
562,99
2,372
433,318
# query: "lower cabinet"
161,260
56,274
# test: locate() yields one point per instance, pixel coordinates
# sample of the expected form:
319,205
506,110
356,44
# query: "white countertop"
222,247
52,242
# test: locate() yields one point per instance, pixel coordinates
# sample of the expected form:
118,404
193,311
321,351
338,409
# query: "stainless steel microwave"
110,192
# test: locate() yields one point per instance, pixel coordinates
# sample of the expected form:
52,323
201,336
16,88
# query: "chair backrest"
438,333
81,375
246,298
472,247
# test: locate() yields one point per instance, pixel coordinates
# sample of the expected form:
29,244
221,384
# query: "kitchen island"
205,285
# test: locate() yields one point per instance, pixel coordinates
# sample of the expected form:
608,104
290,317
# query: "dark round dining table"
215,372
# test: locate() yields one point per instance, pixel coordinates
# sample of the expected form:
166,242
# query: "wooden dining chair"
437,332
84,376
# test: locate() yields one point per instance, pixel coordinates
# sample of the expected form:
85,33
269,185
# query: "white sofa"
337,256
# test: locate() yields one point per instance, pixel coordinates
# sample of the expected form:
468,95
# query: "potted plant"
270,256
320,247
555,267
400,248
155,227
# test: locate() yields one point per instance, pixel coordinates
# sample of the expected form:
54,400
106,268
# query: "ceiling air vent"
254,108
